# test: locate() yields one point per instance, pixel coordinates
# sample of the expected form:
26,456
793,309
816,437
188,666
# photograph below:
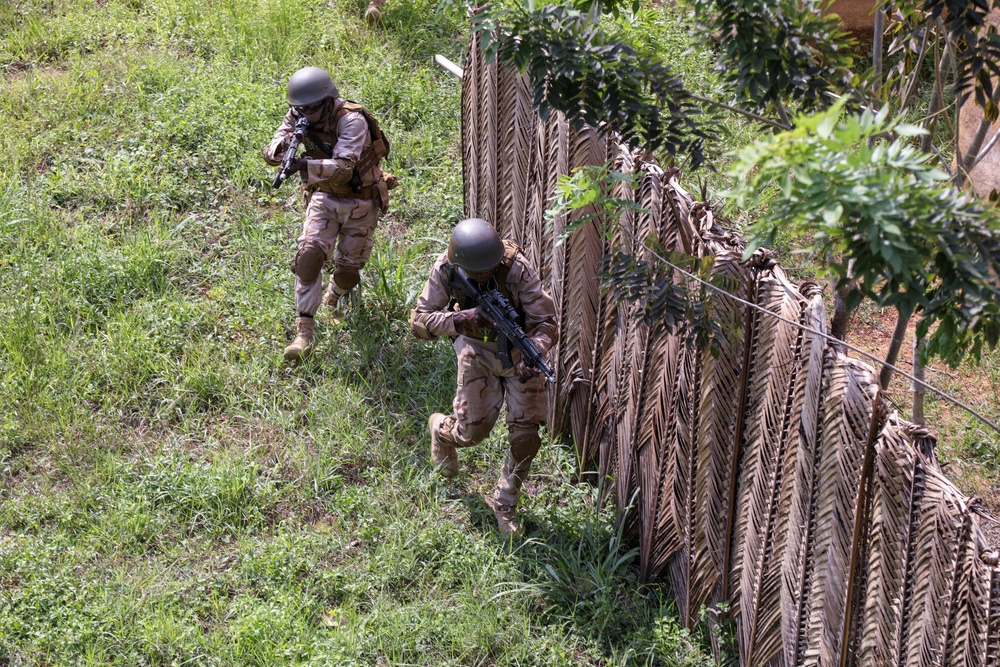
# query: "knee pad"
309,261
524,442
346,277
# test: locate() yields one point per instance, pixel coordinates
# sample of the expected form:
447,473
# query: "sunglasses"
309,108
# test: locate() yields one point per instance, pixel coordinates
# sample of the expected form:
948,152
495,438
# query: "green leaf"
833,214
907,130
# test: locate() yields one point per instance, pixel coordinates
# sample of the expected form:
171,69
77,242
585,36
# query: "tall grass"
170,491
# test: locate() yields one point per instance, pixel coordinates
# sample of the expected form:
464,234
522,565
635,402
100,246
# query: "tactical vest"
367,180
499,277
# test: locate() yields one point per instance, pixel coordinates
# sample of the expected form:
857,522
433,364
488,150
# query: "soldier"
344,190
374,12
483,383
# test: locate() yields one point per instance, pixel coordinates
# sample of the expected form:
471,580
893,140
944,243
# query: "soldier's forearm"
428,325
336,170
274,151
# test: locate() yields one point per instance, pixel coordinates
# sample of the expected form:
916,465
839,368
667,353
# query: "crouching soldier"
343,187
483,384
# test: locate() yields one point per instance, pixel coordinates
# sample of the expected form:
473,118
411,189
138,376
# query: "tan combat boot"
374,12
332,296
443,456
508,492
302,344
506,516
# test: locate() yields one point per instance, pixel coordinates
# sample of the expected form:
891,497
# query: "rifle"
293,148
504,317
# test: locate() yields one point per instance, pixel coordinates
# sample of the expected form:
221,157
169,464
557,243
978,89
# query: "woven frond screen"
771,475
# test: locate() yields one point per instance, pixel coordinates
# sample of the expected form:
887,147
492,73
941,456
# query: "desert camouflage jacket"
437,305
347,138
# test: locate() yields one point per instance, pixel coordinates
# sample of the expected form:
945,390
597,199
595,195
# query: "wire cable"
835,341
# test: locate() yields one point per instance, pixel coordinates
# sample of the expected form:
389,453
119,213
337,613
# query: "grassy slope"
170,492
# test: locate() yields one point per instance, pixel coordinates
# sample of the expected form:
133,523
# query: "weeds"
170,491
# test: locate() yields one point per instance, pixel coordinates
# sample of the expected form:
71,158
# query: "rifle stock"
504,318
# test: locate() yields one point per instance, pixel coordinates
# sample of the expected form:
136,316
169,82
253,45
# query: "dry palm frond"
888,537
603,394
533,218
619,458
617,461
807,415
551,268
938,523
677,228
556,165
655,395
770,624
775,347
695,459
515,123
661,418
847,419
718,407
489,142
634,435
678,456
752,320
634,337
470,125
969,616
993,618
581,289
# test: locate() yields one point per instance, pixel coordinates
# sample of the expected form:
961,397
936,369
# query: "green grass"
170,491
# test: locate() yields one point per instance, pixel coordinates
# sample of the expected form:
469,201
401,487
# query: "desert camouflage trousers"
483,384
345,230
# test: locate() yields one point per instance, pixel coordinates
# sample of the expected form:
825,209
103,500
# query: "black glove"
298,165
526,372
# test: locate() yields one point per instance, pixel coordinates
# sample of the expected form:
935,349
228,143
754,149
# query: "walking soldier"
483,382
343,187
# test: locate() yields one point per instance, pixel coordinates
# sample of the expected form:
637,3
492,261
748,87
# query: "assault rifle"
504,317
293,148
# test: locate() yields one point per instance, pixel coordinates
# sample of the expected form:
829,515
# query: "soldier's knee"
309,261
524,441
473,434
347,277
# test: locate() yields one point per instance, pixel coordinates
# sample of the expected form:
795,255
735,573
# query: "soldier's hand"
526,372
473,317
298,165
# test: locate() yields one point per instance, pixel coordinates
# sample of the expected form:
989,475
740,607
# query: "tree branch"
742,112
877,44
968,159
986,149
915,78
782,113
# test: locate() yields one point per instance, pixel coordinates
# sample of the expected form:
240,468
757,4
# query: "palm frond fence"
772,476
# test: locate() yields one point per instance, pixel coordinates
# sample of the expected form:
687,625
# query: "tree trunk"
841,316
885,377
917,417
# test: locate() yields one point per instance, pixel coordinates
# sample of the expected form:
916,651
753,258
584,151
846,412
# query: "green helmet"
310,85
475,246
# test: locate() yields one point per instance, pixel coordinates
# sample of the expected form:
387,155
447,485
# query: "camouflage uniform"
340,215
482,382
374,12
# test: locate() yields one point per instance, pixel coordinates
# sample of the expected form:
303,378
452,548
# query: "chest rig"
497,281
367,181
